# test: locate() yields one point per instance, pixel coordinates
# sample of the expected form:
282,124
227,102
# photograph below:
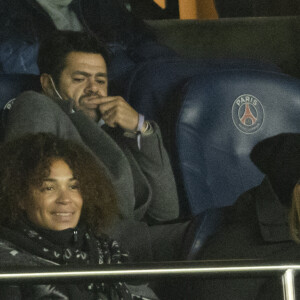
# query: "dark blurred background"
211,9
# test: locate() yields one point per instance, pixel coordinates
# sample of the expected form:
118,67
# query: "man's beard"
96,112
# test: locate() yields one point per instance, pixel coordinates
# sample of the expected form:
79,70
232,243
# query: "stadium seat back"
11,85
222,116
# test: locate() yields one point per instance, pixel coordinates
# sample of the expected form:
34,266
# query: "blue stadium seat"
223,115
204,225
157,82
12,85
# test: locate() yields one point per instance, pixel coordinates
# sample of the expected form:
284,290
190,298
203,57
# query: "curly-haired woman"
55,202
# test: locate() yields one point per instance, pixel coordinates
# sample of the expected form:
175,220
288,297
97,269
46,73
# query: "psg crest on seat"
247,114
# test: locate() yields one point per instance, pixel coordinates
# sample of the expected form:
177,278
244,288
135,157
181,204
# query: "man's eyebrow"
101,74
86,74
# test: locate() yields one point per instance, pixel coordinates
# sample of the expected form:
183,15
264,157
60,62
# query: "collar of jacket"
75,5
272,215
35,5
56,3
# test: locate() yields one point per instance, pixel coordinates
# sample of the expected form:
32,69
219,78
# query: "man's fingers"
96,101
115,111
109,118
107,99
117,104
105,107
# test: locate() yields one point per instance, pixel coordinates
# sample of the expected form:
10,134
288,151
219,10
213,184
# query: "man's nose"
92,86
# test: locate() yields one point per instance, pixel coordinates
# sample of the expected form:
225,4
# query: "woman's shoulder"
11,255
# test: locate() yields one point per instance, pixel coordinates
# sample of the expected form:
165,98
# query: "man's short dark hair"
55,48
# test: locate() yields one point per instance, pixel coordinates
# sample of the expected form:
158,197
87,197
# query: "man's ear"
46,84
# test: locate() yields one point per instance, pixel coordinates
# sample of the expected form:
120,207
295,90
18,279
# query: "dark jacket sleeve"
33,112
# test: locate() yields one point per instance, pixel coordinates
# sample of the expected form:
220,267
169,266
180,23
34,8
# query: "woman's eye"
74,186
47,188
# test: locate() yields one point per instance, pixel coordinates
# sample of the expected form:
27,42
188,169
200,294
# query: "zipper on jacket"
75,235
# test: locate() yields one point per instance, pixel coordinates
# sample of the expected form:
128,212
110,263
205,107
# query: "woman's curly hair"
25,163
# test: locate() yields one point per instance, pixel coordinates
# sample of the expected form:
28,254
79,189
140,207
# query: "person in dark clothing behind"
55,202
25,23
262,224
144,72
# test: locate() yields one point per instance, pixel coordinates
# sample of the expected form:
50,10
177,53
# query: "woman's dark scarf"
77,246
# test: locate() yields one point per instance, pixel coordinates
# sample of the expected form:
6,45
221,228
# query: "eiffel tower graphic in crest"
248,115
